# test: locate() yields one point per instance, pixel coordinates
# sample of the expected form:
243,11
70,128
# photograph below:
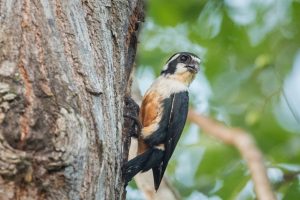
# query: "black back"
177,119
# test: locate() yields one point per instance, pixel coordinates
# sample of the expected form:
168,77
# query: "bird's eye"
183,58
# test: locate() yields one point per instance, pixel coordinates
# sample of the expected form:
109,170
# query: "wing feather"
177,119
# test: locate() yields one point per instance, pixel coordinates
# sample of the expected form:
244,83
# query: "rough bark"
64,72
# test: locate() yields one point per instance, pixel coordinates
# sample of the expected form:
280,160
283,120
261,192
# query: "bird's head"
182,66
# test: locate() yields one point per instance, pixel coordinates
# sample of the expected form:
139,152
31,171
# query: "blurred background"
250,78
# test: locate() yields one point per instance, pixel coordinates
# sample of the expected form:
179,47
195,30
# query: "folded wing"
176,121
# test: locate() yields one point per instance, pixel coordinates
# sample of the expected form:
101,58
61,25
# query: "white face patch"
173,58
180,68
165,67
196,59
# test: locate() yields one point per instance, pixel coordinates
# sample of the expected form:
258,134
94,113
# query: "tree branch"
247,148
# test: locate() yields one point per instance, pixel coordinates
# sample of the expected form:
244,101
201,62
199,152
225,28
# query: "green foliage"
248,50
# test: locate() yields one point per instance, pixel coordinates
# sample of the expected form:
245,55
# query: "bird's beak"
194,68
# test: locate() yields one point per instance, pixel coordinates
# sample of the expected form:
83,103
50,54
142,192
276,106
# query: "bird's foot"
131,113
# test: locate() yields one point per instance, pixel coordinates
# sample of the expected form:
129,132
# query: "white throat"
166,86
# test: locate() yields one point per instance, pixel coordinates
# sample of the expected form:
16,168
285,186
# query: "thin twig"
247,148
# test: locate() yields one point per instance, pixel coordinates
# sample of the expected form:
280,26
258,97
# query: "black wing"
177,118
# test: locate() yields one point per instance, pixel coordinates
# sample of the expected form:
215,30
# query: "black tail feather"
154,159
157,176
135,165
143,162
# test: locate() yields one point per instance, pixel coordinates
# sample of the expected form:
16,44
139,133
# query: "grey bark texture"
64,73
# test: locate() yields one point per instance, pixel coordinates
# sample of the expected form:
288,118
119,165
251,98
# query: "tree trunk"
64,73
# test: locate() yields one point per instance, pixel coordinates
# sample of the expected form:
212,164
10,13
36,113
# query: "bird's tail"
143,162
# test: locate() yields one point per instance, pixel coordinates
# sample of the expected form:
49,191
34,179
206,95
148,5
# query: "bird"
162,116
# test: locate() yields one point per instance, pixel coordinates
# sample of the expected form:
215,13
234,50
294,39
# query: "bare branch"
247,148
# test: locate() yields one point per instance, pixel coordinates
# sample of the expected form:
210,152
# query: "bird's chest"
164,87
